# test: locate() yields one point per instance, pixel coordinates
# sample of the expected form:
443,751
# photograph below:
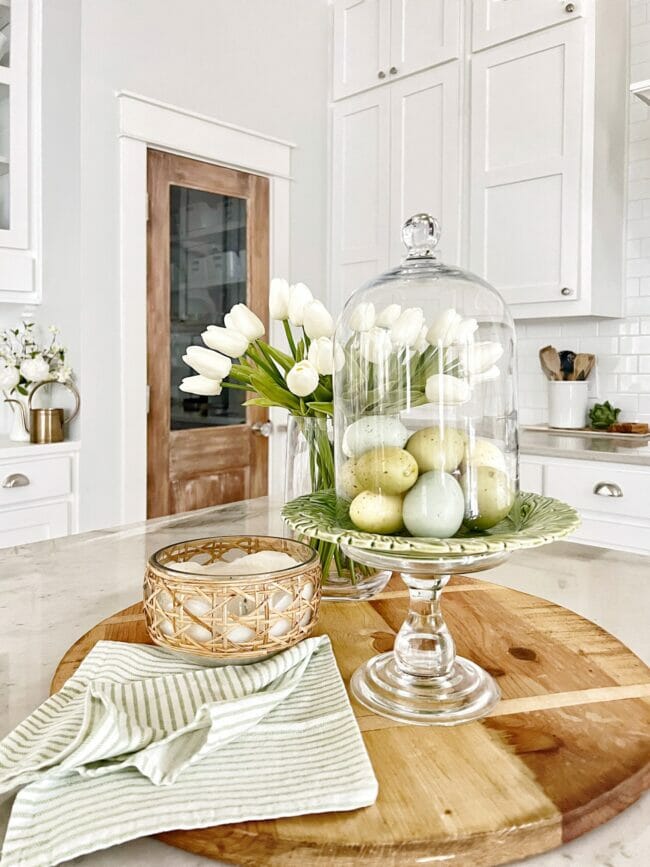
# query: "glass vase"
310,468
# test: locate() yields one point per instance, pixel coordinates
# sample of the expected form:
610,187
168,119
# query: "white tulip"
317,321
9,377
200,385
207,362
421,344
227,340
465,331
481,356
442,388
407,327
279,291
35,369
302,379
299,297
487,376
443,330
376,345
362,317
242,319
389,315
326,356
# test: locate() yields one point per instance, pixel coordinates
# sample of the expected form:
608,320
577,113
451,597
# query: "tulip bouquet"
299,380
25,361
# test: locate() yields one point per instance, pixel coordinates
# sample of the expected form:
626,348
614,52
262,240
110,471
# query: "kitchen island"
52,592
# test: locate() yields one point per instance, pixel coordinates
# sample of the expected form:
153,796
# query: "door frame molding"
145,123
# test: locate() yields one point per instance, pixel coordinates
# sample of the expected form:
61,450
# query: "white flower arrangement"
26,361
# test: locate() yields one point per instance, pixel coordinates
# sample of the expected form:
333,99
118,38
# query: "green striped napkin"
141,741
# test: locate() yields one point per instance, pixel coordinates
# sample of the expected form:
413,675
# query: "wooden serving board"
566,749
588,432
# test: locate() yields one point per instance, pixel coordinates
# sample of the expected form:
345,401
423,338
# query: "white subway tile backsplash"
622,346
635,345
618,363
607,327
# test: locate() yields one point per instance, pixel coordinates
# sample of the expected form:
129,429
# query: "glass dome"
425,410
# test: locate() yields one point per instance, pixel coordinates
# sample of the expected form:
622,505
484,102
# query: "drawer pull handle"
607,489
15,480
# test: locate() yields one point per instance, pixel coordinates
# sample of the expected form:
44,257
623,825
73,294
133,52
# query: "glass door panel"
207,276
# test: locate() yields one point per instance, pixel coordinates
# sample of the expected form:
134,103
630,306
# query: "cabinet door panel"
34,524
425,167
423,33
361,45
526,164
495,21
360,177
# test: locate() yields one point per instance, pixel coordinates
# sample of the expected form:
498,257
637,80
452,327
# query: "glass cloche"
425,411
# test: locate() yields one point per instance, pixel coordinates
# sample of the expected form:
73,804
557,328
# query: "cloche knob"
421,234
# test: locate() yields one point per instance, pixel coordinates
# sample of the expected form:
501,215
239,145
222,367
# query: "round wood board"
565,750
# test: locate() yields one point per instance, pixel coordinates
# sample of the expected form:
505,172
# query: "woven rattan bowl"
243,617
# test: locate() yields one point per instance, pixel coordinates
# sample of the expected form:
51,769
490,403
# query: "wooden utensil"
582,366
549,358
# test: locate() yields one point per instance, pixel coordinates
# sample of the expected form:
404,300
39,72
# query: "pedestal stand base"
340,588
467,693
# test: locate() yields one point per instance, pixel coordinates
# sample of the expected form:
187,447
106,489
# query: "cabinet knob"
567,291
15,480
393,70
381,74
262,428
607,489
570,7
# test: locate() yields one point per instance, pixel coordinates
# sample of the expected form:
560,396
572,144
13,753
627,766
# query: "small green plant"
603,415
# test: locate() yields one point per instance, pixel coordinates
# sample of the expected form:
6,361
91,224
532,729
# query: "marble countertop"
585,447
53,592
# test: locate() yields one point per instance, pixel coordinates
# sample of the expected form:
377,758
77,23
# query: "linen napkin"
141,741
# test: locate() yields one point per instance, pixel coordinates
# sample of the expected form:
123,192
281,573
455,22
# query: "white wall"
622,345
258,64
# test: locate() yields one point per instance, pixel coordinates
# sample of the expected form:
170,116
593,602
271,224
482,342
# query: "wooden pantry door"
208,248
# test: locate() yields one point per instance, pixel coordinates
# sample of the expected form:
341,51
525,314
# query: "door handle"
262,428
15,480
607,489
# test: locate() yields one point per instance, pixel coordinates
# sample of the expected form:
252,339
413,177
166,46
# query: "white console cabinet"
612,498
38,491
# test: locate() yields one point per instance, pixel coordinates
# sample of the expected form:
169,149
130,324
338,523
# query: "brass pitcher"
45,425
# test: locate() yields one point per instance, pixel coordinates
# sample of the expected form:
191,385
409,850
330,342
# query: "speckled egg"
377,513
435,506
490,497
386,470
437,449
372,431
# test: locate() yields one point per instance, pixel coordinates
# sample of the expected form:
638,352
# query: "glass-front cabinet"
19,73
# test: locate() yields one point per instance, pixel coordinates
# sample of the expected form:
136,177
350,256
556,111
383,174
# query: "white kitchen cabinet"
495,21
611,498
525,165
425,155
396,153
19,125
423,33
533,197
360,185
38,491
377,41
547,167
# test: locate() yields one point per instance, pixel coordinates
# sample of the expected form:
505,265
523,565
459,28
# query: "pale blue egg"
435,506
373,431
